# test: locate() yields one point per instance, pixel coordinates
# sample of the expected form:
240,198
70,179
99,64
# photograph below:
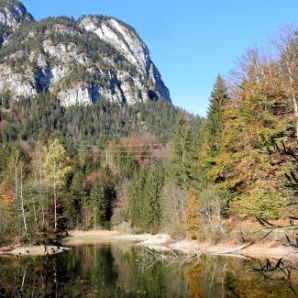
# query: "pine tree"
127,164
210,134
214,117
136,198
152,198
97,196
182,168
102,197
78,194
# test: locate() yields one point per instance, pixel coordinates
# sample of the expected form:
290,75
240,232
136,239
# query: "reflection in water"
126,271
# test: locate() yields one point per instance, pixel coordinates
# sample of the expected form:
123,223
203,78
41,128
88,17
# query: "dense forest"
151,167
65,168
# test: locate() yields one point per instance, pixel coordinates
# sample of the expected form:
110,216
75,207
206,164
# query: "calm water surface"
118,270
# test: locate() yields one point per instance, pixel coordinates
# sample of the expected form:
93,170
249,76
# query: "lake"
122,270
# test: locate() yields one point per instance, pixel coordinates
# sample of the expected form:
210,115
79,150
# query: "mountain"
77,61
13,14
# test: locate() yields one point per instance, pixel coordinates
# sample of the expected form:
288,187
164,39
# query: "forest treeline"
240,163
64,168
151,167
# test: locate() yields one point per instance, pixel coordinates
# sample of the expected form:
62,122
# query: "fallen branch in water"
232,251
195,255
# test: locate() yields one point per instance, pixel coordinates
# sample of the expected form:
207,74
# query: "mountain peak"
126,40
77,61
12,15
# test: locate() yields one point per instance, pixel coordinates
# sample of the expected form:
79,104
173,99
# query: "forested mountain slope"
89,137
82,110
90,79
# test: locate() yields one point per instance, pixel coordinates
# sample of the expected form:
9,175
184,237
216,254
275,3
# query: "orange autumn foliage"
191,215
6,193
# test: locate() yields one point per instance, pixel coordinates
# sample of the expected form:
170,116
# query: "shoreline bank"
163,242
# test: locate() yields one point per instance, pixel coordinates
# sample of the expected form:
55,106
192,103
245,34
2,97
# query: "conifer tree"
136,198
97,196
127,164
77,196
152,198
102,196
210,134
181,169
214,117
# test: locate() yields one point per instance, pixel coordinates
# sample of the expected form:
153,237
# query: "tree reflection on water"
125,271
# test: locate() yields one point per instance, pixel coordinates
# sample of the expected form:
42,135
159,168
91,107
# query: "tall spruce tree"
210,134
102,197
181,169
127,164
136,198
214,117
152,198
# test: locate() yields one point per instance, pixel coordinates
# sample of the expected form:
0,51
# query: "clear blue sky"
190,41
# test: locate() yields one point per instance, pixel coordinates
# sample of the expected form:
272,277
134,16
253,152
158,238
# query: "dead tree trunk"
55,199
22,202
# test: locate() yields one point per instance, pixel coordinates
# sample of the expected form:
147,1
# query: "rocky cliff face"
128,43
77,61
13,14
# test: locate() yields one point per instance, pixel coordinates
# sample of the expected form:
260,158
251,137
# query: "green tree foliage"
127,164
136,198
251,176
56,169
102,197
145,199
78,194
210,134
100,122
182,168
214,117
152,198
7,224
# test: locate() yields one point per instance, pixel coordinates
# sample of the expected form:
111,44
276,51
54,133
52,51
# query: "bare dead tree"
22,200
